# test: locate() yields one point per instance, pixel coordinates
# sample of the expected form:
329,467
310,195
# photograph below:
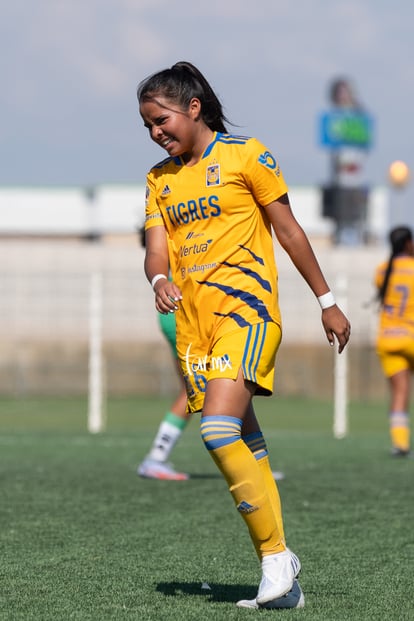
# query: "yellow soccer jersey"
221,247
397,314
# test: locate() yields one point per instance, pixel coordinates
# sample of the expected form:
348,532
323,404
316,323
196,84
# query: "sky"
70,69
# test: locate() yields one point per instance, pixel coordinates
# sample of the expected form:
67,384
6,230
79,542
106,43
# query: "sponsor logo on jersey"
201,268
269,161
192,235
202,364
213,175
194,249
166,191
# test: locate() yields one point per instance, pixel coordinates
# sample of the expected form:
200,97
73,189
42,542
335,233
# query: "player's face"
171,127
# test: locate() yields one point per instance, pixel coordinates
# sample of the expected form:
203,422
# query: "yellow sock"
244,476
400,431
273,492
257,445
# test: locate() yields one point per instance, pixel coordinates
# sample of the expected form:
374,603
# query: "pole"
96,419
340,423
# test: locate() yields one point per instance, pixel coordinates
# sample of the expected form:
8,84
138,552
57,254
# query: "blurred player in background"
348,195
210,209
156,464
394,280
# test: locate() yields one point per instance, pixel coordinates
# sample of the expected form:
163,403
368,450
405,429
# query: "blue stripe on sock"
260,454
217,431
252,437
256,443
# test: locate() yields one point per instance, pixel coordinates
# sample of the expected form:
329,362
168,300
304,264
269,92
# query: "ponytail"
181,83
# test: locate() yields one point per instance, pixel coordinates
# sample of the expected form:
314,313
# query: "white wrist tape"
156,278
326,300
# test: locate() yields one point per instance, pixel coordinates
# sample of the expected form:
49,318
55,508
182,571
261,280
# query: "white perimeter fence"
95,294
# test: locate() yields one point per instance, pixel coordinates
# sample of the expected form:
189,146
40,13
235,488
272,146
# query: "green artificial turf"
83,537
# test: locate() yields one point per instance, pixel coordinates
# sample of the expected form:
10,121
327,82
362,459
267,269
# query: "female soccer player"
210,209
394,280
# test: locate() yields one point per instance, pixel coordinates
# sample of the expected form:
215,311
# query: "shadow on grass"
222,592
214,592
208,475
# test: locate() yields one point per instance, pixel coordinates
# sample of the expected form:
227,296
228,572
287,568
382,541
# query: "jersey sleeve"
153,216
263,174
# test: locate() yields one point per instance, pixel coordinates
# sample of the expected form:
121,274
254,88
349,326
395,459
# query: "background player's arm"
293,239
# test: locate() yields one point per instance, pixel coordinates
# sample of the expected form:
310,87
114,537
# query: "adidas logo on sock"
245,507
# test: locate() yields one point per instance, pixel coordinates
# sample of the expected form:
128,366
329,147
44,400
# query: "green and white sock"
167,436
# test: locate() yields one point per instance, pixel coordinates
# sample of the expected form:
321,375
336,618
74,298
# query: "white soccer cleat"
295,562
399,452
277,577
293,599
152,469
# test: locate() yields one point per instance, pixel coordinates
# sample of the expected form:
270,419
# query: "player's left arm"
293,239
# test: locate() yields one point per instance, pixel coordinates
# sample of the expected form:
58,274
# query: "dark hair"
180,84
335,88
398,238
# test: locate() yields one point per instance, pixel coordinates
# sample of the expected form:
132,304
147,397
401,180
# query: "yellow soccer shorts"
394,359
251,348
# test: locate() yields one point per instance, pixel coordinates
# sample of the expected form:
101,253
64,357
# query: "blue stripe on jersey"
233,139
253,350
163,162
218,431
236,317
230,138
210,146
255,256
253,359
167,160
226,139
250,299
246,270
259,355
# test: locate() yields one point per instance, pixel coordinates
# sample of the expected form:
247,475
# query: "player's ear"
194,109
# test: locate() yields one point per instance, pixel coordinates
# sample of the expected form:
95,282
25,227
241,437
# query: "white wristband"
326,300
156,278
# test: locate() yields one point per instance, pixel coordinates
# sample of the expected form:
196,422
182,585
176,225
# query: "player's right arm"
156,265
